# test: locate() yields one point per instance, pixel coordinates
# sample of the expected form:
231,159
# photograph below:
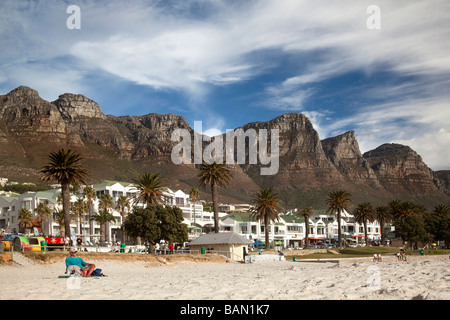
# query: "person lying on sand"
73,260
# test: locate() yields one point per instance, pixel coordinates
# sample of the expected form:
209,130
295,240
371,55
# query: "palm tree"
102,218
441,210
383,216
216,175
25,219
64,167
79,208
123,206
43,212
364,212
194,195
401,210
338,202
90,195
266,209
150,189
105,204
306,213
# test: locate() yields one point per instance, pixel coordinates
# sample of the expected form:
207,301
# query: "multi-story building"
290,229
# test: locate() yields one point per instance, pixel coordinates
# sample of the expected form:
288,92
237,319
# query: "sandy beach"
418,278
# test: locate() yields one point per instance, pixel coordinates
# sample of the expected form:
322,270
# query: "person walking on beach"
73,260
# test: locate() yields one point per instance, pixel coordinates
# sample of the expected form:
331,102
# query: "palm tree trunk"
102,232
339,229
307,232
215,207
365,233
65,190
266,231
90,221
123,229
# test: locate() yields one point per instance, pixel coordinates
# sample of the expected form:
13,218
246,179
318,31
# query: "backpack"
97,273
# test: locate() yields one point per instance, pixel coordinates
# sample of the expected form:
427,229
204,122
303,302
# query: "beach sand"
418,278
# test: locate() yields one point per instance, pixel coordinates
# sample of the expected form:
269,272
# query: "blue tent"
256,243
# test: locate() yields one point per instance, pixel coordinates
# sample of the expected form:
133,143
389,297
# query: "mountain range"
123,147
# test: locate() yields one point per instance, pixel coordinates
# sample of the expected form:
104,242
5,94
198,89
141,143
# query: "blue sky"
228,63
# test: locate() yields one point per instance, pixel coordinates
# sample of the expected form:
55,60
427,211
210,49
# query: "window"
179,201
253,229
26,205
293,228
243,229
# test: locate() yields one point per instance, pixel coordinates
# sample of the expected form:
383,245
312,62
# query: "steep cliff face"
343,151
399,167
302,160
150,134
28,118
443,177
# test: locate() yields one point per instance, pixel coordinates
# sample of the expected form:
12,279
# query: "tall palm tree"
216,175
150,188
43,213
90,194
267,208
25,219
102,218
394,207
105,204
193,193
306,213
123,206
338,202
65,168
364,212
383,215
79,208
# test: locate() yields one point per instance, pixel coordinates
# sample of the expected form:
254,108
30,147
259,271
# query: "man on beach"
73,260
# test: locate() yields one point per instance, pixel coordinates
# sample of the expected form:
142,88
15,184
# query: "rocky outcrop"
29,118
303,162
443,176
399,167
76,105
150,134
343,151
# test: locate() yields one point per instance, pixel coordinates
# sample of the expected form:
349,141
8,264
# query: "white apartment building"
10,205
290,229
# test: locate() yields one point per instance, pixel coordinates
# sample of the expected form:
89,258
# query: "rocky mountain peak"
342,147
73,106
22,96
